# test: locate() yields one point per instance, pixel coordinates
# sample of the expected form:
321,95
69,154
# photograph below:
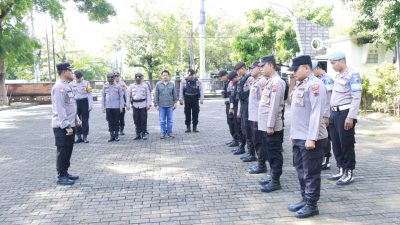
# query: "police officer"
328,81
270,120
226,93
234,113
191,92
243,92
63,122
120,82
139,96
308,135
84,103
345,102
112,104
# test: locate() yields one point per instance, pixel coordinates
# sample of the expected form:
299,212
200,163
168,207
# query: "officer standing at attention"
63,122
120,82
112,104
84,103
308,135
328,81
270,120
140,98
226,93
345,102
235,113
258,83
191,92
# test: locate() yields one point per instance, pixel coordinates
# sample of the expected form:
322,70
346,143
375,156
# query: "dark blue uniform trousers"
257,136
82,106
273,146
245,126
308,167
64,144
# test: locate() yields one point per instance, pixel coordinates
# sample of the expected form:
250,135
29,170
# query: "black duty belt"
191,94
139,100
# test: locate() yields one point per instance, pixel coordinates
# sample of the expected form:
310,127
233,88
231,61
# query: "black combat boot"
111,137
137,136
85,140
274,185
260,168
249,158
234,143
307,211
264,181
144,137
79,140
229,142
297,206
121,131
187,129
240,150
195,129
337,176
347,178
325,164
116,136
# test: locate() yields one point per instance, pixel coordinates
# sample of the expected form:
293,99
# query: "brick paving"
193,179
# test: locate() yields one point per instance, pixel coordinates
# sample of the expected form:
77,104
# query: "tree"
320,15
16,47
266,33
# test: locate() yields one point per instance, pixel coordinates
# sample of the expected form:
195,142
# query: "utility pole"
202,25
191,55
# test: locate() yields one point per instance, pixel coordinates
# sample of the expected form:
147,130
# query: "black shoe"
147,132
85,140
245,156
65,181
271,186
297,206
325,164
234,143
307,211
258,169
264,181
111,137
79,140
187,129
121,132
239,151
250,158
195,129
144,137
72,177
116,138
336,176
346,179
229,142
137,137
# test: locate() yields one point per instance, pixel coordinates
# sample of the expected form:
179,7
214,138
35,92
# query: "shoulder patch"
315,89
355,82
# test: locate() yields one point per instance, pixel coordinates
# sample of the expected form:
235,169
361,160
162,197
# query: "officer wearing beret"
112,104
139,96
328,81
345,103
226,93
124,87
270,121
191,93
233,111
84,103
63,122
308,135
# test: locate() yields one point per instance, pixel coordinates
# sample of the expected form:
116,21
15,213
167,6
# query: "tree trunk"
3,91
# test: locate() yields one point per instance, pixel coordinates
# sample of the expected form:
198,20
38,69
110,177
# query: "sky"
93,37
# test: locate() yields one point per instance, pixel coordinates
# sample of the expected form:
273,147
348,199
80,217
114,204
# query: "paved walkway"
193,179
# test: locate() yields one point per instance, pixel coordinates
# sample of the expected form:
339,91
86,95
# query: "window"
372,56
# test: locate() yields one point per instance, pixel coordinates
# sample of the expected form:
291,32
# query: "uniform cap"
300,60
64,66
314,64
336,56
239,65
110,75
138,75
254,65
222,73
232,75
265,59
78,74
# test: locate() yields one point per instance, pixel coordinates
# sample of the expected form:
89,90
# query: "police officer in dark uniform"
234,112
63,122
191,93
308,134
84,102
120,82
226,93
112,103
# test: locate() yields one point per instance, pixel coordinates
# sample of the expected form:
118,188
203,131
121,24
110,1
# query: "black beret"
138,75
64,66
78,74
222,73
232,74
300,60
254,65
191,71
239,65
265,59
110,75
